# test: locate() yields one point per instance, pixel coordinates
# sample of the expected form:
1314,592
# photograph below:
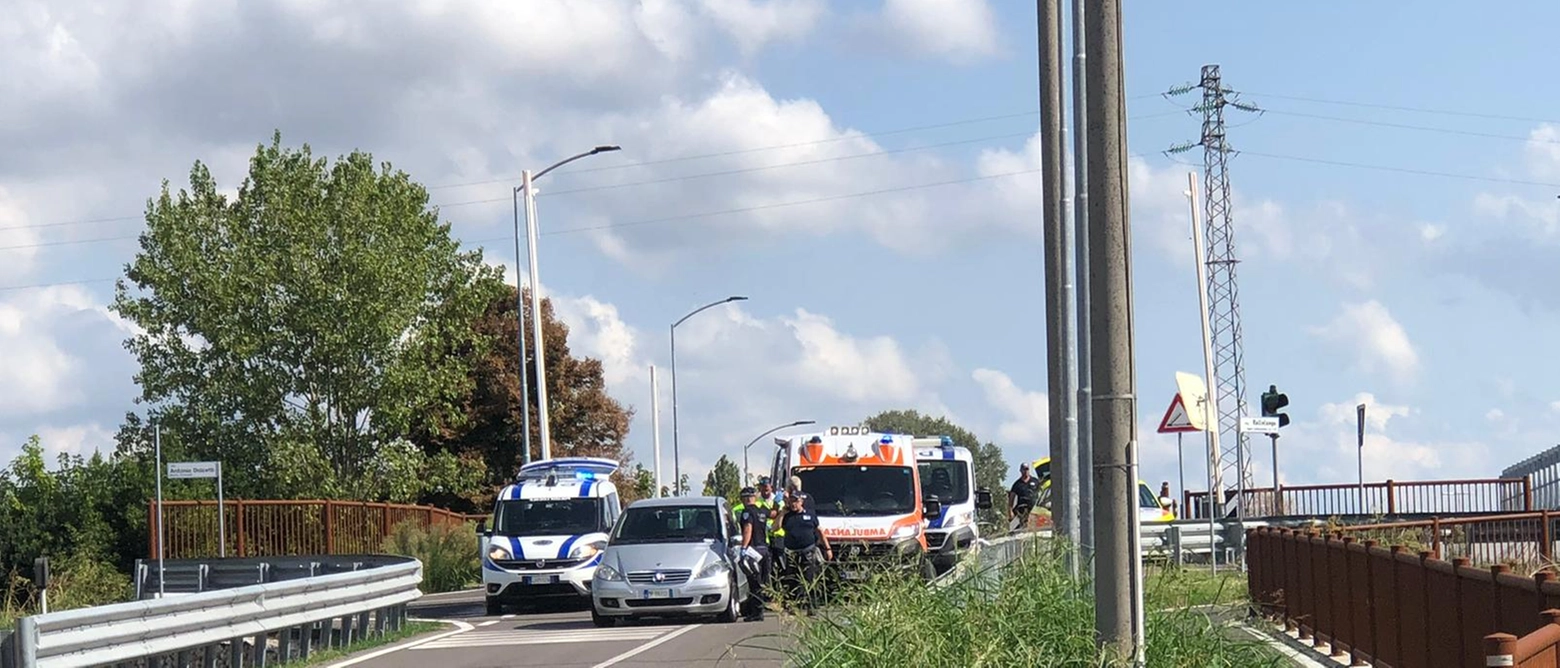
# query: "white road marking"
488,623
507,617
460,627
635,651
525,636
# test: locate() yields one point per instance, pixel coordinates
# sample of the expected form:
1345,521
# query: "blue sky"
766,122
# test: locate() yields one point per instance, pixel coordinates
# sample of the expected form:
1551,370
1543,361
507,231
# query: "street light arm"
797,423
565,161
707,306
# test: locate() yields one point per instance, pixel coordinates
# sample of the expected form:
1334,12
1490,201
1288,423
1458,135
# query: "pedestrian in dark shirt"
806,549
755,534
1022,495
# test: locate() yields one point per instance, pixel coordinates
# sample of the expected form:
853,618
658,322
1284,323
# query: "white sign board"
183,470
1259,425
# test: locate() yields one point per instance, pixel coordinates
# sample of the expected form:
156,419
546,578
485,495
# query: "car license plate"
540,579
854,575
657,593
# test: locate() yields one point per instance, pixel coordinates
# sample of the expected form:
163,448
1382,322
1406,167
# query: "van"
548,530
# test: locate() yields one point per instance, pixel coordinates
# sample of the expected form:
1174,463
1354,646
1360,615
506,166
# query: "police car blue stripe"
585,487
516,549
936,522
563,550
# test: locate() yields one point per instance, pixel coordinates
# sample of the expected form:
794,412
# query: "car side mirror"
931,508
482,529
983,498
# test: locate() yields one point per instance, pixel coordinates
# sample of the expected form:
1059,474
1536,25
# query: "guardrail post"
1500,649
1175,544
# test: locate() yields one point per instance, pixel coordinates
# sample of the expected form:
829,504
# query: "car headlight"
585,551
499,553
715,568
906,531
607,573
957,520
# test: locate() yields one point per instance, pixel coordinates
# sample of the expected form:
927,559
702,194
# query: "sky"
867,174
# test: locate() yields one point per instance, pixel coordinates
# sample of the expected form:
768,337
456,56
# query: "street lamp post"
527,179
676,456
745,475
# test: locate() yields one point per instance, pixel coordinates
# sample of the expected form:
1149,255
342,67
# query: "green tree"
483,426
294,331
990,465
723,480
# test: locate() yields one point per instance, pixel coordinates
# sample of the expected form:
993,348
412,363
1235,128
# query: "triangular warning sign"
1176,420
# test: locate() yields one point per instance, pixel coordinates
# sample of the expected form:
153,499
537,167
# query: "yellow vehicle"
1149,507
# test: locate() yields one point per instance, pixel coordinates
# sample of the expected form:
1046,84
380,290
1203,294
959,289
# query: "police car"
549,528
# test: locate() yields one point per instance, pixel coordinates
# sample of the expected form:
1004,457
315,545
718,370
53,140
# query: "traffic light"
1272,400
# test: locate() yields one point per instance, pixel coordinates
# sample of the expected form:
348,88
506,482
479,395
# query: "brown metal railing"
1389,606
1391,497
258,528
1519,540
1539,649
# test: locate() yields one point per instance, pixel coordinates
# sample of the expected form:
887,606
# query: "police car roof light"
946,443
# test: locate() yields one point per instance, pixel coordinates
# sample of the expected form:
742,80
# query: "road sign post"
1359,452
192,470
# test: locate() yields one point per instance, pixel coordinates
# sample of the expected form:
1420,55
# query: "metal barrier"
190,576
1391,497
226,626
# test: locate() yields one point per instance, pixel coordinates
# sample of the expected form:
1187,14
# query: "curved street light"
745,475
676,459
526,181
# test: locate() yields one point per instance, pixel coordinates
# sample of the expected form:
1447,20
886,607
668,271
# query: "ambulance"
948,473
867,493
549,528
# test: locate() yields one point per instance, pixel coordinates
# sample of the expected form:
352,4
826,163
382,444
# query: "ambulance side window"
779,475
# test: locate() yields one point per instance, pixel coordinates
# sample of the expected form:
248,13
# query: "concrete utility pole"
1115,400
1057,330
1085,465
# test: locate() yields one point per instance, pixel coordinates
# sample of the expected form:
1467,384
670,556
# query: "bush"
448,553
76,582
1035,615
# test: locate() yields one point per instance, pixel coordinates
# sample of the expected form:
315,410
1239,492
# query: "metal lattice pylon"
1223,288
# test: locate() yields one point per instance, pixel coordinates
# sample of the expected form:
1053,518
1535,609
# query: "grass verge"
448,554
327,656
1035,615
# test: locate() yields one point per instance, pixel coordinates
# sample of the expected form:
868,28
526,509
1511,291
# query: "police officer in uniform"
755,534
806,550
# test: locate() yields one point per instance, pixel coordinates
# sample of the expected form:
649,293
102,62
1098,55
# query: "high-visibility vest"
764,505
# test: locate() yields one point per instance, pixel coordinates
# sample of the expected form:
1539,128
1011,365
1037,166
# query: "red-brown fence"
1392,497
257,528
1389,606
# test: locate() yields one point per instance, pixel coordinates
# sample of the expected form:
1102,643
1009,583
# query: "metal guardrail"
263,622
190,576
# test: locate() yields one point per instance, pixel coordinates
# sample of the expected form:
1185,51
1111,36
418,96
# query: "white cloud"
756,23
1025,413
957,30
1374,338
83,439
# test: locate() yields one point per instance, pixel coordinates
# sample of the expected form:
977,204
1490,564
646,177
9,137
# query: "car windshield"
947,479
667,524
1146,498
551,517
859,490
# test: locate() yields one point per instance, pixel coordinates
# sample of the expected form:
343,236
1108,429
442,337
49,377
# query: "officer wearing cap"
755,534
806,550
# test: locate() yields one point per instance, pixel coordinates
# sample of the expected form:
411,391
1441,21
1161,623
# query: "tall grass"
448,553
1034,615
75,582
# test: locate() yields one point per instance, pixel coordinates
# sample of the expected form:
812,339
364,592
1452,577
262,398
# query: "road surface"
567,639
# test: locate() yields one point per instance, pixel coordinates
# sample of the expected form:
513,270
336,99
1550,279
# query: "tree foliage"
990,466
483,426
297,330
724,480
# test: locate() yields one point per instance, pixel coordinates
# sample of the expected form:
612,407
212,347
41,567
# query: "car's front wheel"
494,607
599,619
733,606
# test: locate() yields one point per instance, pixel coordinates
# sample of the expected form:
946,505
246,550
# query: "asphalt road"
566,638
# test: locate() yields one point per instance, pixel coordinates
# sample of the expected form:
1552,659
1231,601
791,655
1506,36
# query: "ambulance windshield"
840,491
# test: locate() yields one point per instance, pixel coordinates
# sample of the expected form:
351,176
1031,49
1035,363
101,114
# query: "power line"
1391,107
1401,170
1405,126
668,219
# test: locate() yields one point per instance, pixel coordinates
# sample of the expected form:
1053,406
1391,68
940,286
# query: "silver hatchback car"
674,556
